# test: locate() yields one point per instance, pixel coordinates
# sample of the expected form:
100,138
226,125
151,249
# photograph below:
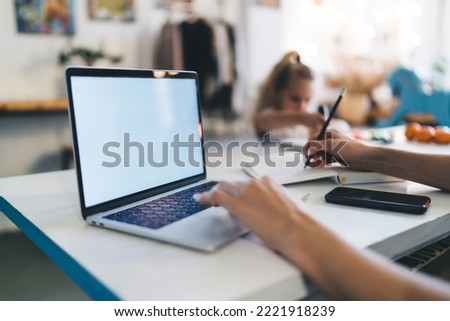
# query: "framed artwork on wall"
111,10
169,4
45,16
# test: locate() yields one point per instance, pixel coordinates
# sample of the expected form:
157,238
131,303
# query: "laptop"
139,157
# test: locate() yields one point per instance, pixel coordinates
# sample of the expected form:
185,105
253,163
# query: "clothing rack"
205,45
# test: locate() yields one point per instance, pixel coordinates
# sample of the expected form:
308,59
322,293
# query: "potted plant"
88,55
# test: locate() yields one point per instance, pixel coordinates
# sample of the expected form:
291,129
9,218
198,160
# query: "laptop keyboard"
165,210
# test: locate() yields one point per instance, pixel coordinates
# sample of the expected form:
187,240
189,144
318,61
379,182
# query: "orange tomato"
411,130
425,135
442,135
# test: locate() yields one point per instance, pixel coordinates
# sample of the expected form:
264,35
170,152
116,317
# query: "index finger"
216,196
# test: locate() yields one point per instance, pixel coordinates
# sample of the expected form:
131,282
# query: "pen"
325,111
327,122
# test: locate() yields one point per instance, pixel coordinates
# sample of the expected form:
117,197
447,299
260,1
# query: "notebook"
288,168
139,158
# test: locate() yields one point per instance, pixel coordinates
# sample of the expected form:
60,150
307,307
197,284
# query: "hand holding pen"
327,122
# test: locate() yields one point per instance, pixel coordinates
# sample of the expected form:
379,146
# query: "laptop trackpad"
206,230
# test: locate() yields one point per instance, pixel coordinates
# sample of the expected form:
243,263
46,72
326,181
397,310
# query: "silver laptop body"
139,156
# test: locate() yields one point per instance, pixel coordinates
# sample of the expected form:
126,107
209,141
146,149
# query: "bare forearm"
433,170
344,272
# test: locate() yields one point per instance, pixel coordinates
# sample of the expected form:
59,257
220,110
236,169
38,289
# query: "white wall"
28,63
264,28
445,47
405,31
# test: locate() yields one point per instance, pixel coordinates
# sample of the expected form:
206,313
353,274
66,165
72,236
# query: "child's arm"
274,119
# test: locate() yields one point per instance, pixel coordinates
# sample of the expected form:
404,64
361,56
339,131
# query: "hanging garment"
200,56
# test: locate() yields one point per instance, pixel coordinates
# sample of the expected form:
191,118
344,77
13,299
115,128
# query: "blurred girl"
283,100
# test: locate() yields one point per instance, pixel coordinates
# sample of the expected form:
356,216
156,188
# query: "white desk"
111,265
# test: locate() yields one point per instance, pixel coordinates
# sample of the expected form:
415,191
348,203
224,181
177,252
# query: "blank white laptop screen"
127,134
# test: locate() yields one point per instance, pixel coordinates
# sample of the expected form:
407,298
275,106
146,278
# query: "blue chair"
414,100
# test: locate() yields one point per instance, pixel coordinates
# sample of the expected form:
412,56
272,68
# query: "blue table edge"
85,280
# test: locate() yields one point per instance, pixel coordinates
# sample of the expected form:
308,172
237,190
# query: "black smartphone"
398,202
